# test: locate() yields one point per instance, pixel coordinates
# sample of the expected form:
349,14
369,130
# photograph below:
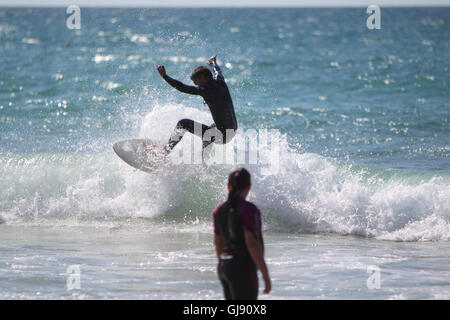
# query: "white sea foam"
110,85
102,58
30,41
309,193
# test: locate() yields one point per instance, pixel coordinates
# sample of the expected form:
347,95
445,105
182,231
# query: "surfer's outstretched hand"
212,59
161,70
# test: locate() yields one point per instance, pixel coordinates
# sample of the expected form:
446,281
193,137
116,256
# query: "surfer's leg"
182,126
210,135
213,134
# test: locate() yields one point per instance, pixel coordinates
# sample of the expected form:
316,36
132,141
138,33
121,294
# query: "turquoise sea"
361,119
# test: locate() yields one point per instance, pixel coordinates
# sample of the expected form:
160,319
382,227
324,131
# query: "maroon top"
250,215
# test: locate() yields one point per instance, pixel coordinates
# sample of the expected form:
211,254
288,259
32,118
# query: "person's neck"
242,194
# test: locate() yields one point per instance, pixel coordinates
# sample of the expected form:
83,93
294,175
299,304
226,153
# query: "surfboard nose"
142,154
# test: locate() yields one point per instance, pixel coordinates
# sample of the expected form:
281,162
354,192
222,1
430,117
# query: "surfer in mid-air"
214,91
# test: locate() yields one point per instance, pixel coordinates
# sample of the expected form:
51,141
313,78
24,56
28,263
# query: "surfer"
238,241
216,95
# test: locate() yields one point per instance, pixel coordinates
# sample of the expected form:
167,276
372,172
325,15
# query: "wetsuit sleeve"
182,87
252,222
217,72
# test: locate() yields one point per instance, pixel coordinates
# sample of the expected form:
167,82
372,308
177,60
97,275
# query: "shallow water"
142,260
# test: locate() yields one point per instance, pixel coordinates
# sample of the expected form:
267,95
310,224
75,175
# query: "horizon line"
419,5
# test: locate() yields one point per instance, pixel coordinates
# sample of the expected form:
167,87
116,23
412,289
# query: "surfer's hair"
201,70
238,180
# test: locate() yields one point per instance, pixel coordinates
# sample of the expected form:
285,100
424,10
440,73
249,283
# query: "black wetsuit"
236,269
217,96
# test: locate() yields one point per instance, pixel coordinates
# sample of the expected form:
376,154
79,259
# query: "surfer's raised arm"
178,84
217,72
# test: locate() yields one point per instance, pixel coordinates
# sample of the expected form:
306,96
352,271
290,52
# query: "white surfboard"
142,154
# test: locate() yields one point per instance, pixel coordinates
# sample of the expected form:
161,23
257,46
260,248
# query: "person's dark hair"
238,180
201,70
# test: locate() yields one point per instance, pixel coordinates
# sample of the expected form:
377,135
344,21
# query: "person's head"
201,75
239,182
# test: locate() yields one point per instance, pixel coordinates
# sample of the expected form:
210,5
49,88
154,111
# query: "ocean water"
358,208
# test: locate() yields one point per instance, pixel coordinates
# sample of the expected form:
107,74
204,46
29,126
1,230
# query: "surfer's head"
239,182
201,75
